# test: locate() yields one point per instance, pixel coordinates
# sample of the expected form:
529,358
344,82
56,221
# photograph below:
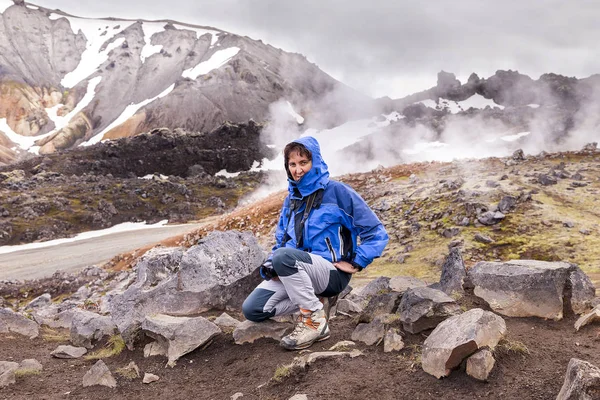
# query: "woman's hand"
346,267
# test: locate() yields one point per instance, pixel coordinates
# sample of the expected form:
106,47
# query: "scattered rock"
582,381
348,306
370,334
149,378
546,180
458,337
237,395
226,321
100,375
309,358
380,304
66,351
480,364
392,341
424,308
179,335
491,218
588,318
483,239
583,290
299,397
88,327
518,155
11,321
401,284
342,345
507,203
40,301
376,286
453,273
248,331
7,373
568,224
130,371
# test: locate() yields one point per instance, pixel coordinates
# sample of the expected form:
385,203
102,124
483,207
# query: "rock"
379,304
30,365
88,327
528,288
401,284
480,364
583,290
11,321
453,273
248,331
179,335
342,345
518,155
40,301
491,218
65,351
236,396
568,224
370,334
99,375
130,371
299,397
458,337
217,273
424,308
483,239
154,349
582,381
348,306
546,180
149,378
507,203
226,321
309,358
588,318
392,341
376,286
53,317
7,373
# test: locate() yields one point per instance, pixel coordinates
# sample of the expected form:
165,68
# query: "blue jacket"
333,226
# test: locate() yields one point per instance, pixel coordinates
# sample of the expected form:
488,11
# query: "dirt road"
72,256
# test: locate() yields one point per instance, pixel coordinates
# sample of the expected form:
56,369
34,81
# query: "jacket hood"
315,179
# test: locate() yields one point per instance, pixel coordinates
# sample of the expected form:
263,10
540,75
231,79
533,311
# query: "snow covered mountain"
67,81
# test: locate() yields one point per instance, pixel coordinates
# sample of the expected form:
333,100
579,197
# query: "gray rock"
491,217
480,364
582,381
131,371
342,345
7,373
401,284
299,397
507,203
528,288
248,331
65,351
392,341
99,375
155,349
53,317
458,337
380,304
40,301
483,239
346,306
307,359
376,286
370,334
424,308
583,290
11,321
88,327
588,318
226,321
179,335
518,155
149,378
546,180
30,365
219,272
453,273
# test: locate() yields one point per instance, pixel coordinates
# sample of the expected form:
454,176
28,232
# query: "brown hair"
295,147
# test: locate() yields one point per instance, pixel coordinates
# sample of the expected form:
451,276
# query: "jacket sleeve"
373,236
281,225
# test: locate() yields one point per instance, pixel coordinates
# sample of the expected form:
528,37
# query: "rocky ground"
520,207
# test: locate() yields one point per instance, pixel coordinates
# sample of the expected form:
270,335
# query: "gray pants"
303,278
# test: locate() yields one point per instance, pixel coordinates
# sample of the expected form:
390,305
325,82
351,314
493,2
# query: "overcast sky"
395,47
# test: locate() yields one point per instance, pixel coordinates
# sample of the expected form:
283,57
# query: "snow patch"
476,101
92,57
129,111
218,59
149,48
294,114
32,7
124,227
152,176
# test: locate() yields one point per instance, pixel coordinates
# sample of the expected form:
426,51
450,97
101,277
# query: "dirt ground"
224,368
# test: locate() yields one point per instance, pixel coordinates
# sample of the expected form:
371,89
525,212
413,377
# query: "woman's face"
298,165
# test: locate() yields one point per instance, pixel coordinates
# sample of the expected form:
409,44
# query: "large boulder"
179,335
385,303
218,272
453,273
530,288
458,337
88,327
11,321
582,381
424,308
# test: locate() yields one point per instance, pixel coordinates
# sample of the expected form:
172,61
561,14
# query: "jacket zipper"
330,247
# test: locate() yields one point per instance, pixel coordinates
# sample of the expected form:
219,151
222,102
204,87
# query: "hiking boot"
312,327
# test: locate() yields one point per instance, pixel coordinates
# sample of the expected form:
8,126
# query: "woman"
316,251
